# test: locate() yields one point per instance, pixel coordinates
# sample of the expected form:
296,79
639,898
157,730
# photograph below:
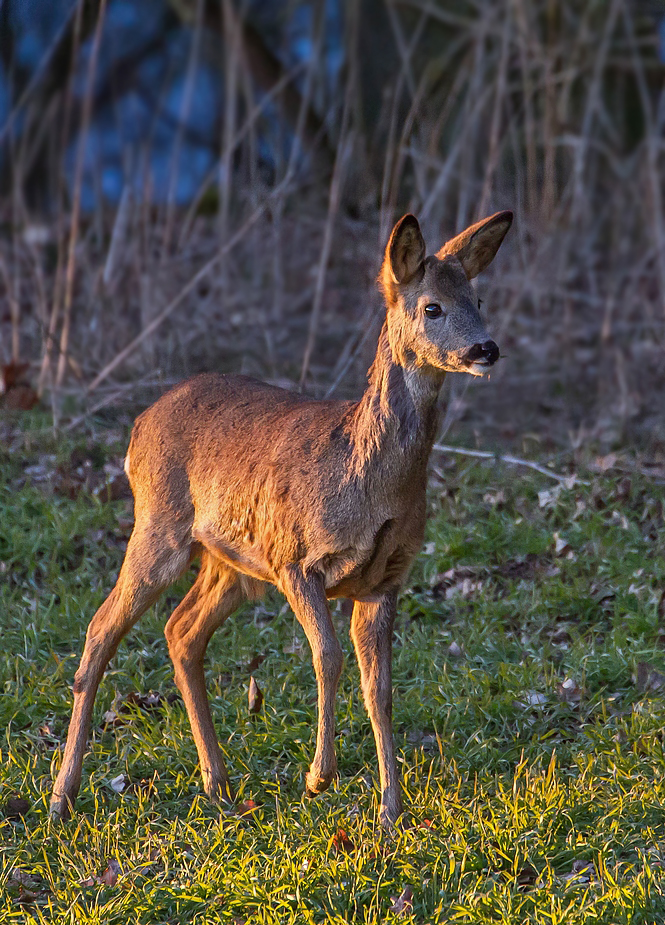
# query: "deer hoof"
60,808
393,820
317,783
220,791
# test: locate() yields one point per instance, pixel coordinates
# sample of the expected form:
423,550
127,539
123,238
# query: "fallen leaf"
111,874
144,787
548,497
148,702
569,691
256,661
16,806
26,897
46,737
123,707
403,903
254,696
532,699
603,463
561,546
247,808
648,678
20,398
495,498
111,718
22,877
581,872
560,636
526,876
464,580
18,394
341,842
620,737
119,783
618,517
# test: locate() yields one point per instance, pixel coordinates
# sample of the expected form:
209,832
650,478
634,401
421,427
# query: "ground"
528,709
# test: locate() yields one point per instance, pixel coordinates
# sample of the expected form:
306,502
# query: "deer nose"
487,353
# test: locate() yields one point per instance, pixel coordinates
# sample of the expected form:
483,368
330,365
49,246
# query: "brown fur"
322,499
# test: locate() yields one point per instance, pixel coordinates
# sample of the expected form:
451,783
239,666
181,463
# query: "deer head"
433,318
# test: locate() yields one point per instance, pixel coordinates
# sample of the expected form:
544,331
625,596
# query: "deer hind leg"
307,598
217,592
148,569
371,632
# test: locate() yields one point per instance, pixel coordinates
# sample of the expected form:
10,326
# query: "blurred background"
209,184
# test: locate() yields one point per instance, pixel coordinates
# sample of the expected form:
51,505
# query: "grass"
535,802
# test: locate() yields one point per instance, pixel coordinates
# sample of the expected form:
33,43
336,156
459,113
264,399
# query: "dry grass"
553,109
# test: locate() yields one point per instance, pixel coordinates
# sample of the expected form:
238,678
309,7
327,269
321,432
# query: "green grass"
514,787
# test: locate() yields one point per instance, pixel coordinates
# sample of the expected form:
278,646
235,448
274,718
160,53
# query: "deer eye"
433,310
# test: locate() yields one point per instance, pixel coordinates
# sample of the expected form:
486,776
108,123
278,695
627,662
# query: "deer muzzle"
481,354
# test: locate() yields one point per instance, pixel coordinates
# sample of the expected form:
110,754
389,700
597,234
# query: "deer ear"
476,247
405,251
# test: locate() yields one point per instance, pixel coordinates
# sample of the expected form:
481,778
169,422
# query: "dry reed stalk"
232,40
49,345
406,48
297,146
653,142
524,30
497,111
14,311
185,107
344,148
76,203
343,153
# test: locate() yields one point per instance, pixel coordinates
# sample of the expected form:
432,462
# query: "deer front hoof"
219,790
393,819
60,808
317,783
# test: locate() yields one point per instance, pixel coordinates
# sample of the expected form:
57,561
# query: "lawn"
528,711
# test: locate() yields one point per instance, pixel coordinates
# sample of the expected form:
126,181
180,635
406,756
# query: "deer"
323,499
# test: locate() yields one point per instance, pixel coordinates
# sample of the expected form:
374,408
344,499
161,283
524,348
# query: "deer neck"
395,421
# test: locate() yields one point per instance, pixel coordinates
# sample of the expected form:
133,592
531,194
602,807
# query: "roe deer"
323,499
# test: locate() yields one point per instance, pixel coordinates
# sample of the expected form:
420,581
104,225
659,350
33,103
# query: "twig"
511,460
344,149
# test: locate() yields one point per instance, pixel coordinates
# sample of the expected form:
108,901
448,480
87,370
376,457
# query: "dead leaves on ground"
402,904
340,843
16,392
109,877
467,580
124,707
88,471
648,679
26,889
